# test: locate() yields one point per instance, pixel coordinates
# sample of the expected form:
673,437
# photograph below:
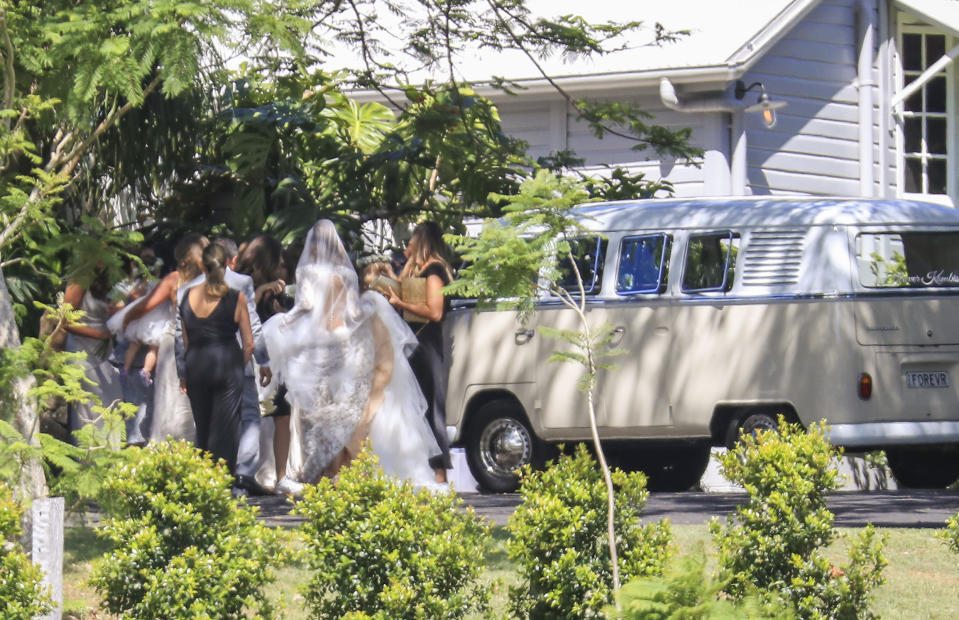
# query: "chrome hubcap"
754,424
505,446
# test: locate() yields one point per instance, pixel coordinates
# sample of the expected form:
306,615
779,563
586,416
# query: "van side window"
589,254
710,262
908,260
643,264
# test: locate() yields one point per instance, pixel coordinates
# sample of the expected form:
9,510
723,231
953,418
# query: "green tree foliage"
524,255
435,148
76,471
774,542
70,72
183,546
22,594
950,535
435,37
100,104
559,541
380,549
686,592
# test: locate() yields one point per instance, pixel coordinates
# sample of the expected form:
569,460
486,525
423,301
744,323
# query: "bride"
343,358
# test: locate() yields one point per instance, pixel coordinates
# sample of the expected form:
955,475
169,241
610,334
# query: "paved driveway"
900,508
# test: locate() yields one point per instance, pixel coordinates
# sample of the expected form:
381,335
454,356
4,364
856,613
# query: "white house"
869,87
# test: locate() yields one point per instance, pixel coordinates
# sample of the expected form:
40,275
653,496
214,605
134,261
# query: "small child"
147,330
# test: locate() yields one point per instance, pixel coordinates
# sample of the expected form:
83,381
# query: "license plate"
927,379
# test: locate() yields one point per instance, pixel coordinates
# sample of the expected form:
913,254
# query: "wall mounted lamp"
763,104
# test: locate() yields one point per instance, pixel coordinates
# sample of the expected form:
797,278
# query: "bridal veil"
343,358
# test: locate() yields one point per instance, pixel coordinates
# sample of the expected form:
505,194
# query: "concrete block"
460,477
47,549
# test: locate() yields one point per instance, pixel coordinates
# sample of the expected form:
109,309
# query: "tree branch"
367,54
116,114
573,101
587,347
29,263
64,165
9,72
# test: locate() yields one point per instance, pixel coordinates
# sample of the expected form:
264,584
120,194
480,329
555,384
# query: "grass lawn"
922,579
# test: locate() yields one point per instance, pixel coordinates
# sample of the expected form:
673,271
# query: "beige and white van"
732,311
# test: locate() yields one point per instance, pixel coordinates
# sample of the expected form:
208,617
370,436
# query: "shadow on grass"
497,557
81,545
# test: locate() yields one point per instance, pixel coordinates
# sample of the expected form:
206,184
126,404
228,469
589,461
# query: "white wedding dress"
149,329
343,359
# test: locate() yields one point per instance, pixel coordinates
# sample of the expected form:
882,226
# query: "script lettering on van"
918,259
932,278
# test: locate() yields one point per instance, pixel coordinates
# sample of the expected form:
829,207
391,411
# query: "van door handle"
617,335
523,336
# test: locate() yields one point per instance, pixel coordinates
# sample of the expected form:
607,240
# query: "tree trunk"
9,333
26,418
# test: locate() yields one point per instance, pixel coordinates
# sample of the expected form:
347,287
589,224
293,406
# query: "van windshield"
908,259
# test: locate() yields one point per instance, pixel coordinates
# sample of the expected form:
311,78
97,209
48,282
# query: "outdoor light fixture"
763,104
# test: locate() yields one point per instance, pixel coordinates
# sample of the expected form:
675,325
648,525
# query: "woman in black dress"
211,314
426,258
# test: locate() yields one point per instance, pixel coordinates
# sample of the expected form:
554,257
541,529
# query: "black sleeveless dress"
214,376
428,362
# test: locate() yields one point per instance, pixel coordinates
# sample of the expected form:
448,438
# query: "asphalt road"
902,508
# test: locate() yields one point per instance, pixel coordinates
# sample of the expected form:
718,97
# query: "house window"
925,127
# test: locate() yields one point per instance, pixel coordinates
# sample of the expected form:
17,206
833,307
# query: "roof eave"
929,15
771,33
735,66
626,80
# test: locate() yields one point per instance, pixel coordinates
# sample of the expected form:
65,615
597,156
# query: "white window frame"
907,24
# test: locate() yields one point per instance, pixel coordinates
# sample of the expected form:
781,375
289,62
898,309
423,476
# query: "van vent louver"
773,258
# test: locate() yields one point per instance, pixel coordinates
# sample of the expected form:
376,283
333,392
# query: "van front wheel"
498,444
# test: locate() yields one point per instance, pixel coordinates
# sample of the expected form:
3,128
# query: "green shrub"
22,594
378,548
183,546
558,538
773,542
686,592
950,535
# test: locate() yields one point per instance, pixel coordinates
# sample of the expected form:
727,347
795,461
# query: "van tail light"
865,386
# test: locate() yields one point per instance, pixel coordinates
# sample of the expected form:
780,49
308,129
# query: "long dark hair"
188,255
260,259
426,246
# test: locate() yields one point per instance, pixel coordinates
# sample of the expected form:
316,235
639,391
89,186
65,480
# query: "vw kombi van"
731,311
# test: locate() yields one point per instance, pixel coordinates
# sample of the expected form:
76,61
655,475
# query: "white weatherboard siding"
806,53
814,147
548,125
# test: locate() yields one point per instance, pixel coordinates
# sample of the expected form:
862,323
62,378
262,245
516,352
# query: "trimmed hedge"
183,546
774,542
558,538
380,549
